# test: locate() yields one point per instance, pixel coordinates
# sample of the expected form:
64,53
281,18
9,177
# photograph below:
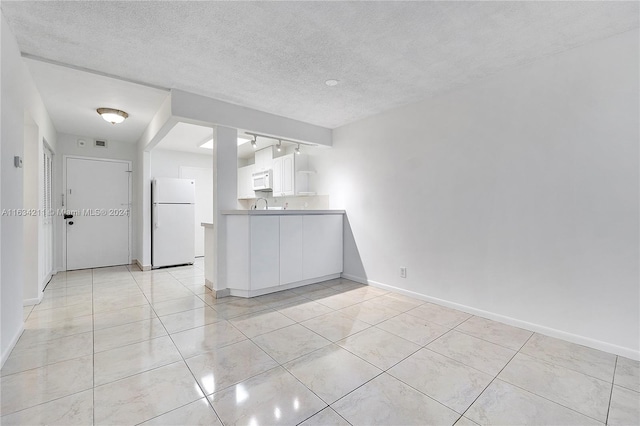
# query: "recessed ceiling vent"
101,144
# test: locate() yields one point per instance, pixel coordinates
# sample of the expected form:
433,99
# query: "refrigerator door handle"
156,225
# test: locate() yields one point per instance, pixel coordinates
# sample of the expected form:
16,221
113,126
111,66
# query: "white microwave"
262,181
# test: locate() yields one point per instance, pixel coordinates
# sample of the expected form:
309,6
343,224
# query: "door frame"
64,199
46,148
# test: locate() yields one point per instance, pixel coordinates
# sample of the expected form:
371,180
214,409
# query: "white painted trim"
64,186
46,280
140,265
263,291
12,344
219,294
33,301
209,284
547,331
355,278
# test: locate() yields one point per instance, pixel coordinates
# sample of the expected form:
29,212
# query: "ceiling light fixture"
331,82
298,149
253,142
113,116
279,145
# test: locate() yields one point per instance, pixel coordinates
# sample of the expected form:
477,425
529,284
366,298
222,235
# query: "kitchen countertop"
280,212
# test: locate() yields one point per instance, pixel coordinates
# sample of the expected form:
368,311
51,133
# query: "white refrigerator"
172,222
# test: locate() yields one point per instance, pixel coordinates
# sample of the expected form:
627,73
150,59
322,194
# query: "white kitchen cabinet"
269,251
263,159
286,179
245,186
264,252
290,249
276,174
322,245
288,174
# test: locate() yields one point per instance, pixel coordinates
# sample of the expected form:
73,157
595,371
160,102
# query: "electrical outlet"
403,272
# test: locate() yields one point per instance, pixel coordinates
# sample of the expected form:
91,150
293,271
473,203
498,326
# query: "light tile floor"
121,346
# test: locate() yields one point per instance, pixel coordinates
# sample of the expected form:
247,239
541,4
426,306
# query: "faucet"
266,204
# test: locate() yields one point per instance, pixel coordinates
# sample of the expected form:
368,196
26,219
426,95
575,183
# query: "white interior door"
204,201
98,198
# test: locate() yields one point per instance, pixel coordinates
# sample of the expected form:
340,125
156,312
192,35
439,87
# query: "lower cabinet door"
322,245
265,252
290,249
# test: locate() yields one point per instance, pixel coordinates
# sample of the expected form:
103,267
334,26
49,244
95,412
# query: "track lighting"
278,145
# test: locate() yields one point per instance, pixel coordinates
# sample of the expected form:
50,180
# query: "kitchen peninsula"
274,250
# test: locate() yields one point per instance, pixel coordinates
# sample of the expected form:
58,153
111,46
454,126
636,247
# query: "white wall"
68,145
19,97
11,191
166,163
158,128
516,197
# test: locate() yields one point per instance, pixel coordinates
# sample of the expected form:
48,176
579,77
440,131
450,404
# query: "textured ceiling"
275,56
72,97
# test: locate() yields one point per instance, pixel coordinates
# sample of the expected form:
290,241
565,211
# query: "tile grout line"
333,310
382,371
93,359
183,361
552,401
281,365
494,378
615,366
533,393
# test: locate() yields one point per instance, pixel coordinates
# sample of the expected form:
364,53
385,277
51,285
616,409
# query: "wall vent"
101,144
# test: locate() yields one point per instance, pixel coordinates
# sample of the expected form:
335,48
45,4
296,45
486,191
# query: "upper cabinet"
283,176
264,157
291,175
245,188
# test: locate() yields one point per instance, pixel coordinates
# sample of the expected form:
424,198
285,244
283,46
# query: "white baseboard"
263,291
141,266
547,331
34,301
355,278
12,344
